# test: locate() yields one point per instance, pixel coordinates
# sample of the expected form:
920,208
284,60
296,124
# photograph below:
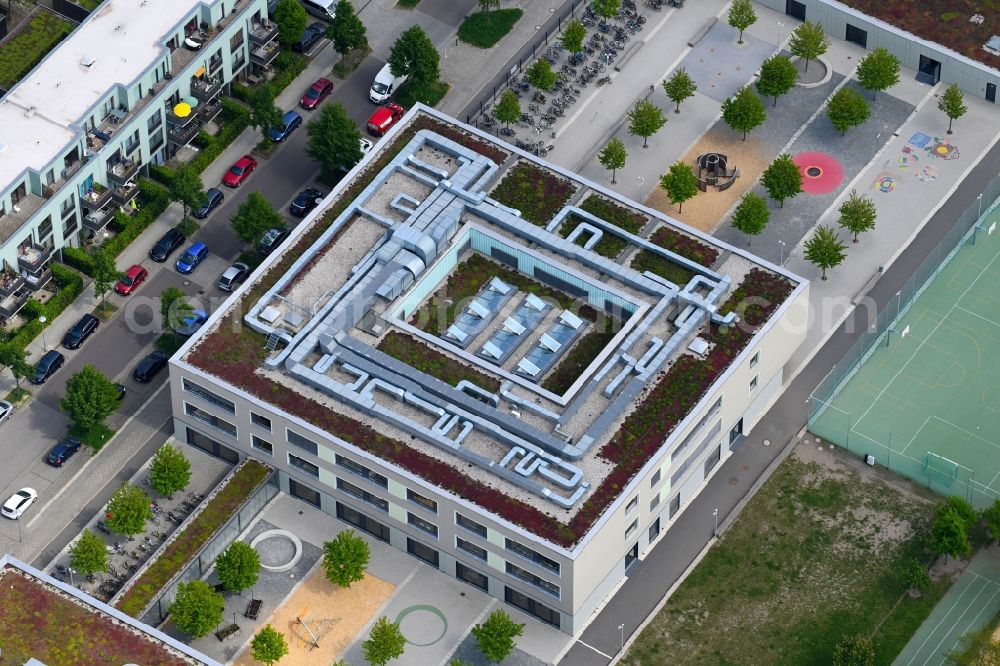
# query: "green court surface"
968,606
926,401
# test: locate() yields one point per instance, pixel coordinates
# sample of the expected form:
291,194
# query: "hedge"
70,286
289,66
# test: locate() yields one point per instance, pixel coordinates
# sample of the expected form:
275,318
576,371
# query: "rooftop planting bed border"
426,359
609,246
682,244
538,193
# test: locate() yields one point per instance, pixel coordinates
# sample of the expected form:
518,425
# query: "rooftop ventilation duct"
87,61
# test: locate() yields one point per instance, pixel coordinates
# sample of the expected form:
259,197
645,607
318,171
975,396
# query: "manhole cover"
733,480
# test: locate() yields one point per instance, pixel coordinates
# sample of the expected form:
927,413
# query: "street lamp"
642,181
781,253
71,572
980,200
42,320
715,532
780,26
621,628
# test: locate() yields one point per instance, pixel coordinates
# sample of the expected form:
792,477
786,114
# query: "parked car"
289,123
63,451
190,324
307,199
384,118
164,247
239,171
317,92
6,410
213,199
192,256
384,85
272,239
47,366
131,279
233,276
18,503
312,34
149,367
81,330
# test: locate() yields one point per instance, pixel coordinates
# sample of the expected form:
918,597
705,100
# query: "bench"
698,36
253,608
226,632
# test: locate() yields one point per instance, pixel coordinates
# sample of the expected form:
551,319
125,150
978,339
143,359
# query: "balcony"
264,32
181,136
97,198
11,304
10,282
263,55
206,90
121,173
33,259
208,111
123,194
97,220
37,281
49,190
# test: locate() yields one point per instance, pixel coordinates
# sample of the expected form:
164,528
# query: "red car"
239,171
317,93
384,118
133,277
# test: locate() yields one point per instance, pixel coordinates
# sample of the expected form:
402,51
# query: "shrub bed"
426,359
70,286
27,48
289,66
539,194
189,542
484,29
683,245
609,246
429,94
579,358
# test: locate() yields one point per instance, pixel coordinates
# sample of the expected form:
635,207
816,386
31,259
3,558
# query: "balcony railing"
263,33
96,199
263,55
122,172
68,173
209,110
10,282
37,281
34,258
98,219
206,90
181,136
11,304
123,194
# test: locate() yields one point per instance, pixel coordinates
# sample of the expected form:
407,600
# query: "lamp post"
621,628
715,532
781,253
980,200
42,320
642,181
780,26
71,572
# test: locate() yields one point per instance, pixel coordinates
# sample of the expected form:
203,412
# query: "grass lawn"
486,29
104,311
169,343
188,227
94,437
407,4
410,93
17,396
813,556
27,48
350,62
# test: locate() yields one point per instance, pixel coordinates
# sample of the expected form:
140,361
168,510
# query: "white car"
18,503
6,409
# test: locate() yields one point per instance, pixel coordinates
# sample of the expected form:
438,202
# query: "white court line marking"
929,335
976,314
956,623
915,435
934,630
606,656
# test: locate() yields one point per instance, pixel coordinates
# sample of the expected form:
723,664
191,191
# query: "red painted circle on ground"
821,172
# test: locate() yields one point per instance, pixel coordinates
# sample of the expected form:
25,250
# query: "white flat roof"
121,37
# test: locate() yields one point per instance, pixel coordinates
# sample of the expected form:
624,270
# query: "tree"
854,650
386,642
741,16
952,104
782,179
508,109
777,77
268,645
90,397
291,18
196,608
679,87
255,216
414,55
847,109
334,141
540,75
128,510
263,113
680,182
948,534
645,120
857,214
345,558
169,471
15,358
808,42
496,635
913,574
346,30
751,215
879,70
88,554
963,510
187,188
238,567
174,308
991,515
573,35
105,273
824,249
607,9
613,156
743,111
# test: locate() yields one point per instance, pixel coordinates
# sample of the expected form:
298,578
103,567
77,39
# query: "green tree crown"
414,54
255,216
612,157
573,35
508,109
680,182
263,113
743,111
291,18
808,42
169,471
90,397
174,308
88,554
197,608
606,8
540,75
238,567
345,558
777,77
782,179
751,215
384,643
15,358
645,120
495,637
679,87
268,645
187,188
952,104
741,16
857,214
879,70
105,273
346,30
825,249
854,650
847,109
334,141
128,510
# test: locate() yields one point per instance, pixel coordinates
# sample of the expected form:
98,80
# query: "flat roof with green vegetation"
27,48
484,29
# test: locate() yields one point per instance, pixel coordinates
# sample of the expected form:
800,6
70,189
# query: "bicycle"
604,80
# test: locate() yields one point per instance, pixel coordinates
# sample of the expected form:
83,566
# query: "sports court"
968,606
926,401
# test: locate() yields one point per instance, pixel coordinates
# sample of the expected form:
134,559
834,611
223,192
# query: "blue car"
289,123
189,325
192,256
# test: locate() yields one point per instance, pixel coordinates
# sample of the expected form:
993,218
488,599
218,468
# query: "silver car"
6,409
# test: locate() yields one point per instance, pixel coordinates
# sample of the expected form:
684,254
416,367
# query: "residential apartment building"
541,493
79,129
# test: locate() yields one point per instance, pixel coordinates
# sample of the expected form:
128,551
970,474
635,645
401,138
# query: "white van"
385,84
324,9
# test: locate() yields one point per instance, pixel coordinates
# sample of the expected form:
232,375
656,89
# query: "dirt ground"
335,615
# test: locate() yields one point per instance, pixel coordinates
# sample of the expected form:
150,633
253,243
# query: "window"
631,529
654,529
470,525
425,502
212,447
236,41
68,204
45,229
363,495
422,524
304,465
422,552
713,459
132,143
259,444
675,504
362,471
655,502
754,360
472,577
304,443
736,432
260,421
363,522
531,607
70,225
656,478
210,419
529,554
471,548
632,556
856,35
208,396
155,140
632,504
527,576
154,122
303,492
753,382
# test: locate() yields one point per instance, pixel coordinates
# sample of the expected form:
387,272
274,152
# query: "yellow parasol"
182,110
